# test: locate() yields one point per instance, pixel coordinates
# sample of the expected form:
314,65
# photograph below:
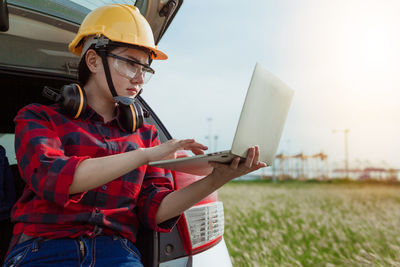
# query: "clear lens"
129,70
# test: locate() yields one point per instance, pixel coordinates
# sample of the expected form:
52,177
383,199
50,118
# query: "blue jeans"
84,251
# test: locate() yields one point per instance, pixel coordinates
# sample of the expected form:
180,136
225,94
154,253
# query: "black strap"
52,93
103,55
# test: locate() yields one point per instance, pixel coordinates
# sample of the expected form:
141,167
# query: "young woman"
84,160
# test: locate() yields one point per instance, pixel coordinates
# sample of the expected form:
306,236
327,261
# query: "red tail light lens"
205,223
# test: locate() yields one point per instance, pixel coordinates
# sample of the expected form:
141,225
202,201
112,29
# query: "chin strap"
101,49
118,99
103,55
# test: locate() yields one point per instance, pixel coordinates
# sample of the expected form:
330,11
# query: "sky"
340,57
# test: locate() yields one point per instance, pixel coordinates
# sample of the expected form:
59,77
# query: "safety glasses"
129,68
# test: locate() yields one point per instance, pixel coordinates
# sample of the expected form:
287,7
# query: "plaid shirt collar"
92,115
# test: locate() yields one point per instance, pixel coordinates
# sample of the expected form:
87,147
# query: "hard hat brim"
157,54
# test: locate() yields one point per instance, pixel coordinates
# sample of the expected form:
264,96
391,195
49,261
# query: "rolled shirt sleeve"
43,164
157,184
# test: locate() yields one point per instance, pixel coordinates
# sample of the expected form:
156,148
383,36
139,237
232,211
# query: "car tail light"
205,224
201,226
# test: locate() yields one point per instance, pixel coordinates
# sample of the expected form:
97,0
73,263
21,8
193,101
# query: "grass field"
312,224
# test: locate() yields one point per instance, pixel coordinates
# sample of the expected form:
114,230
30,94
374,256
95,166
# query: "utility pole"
212,140
209,136
346,151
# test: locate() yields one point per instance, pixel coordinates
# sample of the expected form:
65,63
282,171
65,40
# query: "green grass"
312,224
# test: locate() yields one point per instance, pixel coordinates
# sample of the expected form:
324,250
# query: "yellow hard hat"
119,23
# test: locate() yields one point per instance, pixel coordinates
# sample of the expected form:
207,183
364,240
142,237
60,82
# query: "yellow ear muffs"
131,117
73,100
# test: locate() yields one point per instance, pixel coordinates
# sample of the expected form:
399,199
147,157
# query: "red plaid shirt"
49,146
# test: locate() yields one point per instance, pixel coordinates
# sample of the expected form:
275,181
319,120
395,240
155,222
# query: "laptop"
261,123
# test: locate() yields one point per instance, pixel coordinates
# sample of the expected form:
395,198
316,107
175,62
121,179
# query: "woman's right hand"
168,149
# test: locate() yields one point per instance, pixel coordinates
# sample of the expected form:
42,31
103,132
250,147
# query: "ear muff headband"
133,118
78,113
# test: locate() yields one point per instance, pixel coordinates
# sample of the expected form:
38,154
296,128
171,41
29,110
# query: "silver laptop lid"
268,100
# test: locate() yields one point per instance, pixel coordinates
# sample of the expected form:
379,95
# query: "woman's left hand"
237,168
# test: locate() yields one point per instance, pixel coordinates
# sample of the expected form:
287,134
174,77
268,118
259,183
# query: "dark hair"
83,71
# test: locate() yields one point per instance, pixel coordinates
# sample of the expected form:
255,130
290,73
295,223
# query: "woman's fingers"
198,151
235,163
252,161
196,148
169,149
190,144
236,168
182,144
250,157
256,156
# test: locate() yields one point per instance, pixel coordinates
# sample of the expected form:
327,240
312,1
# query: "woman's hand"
236,168
168,149
180,200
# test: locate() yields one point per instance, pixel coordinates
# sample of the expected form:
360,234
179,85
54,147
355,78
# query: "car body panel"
217,256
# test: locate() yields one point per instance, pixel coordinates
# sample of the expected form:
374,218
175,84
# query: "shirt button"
104,187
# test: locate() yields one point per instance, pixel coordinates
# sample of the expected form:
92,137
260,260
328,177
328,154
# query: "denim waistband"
96,232
23,238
